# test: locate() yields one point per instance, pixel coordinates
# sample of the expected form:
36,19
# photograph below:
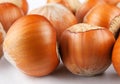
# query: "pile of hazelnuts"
84,34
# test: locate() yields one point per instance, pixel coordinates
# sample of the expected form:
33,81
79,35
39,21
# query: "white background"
10,75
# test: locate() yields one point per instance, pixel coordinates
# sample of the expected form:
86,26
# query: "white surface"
36,3
10,75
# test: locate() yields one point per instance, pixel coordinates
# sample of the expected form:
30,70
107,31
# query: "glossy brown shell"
101,15
116,56
86,53
31,45
9,13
